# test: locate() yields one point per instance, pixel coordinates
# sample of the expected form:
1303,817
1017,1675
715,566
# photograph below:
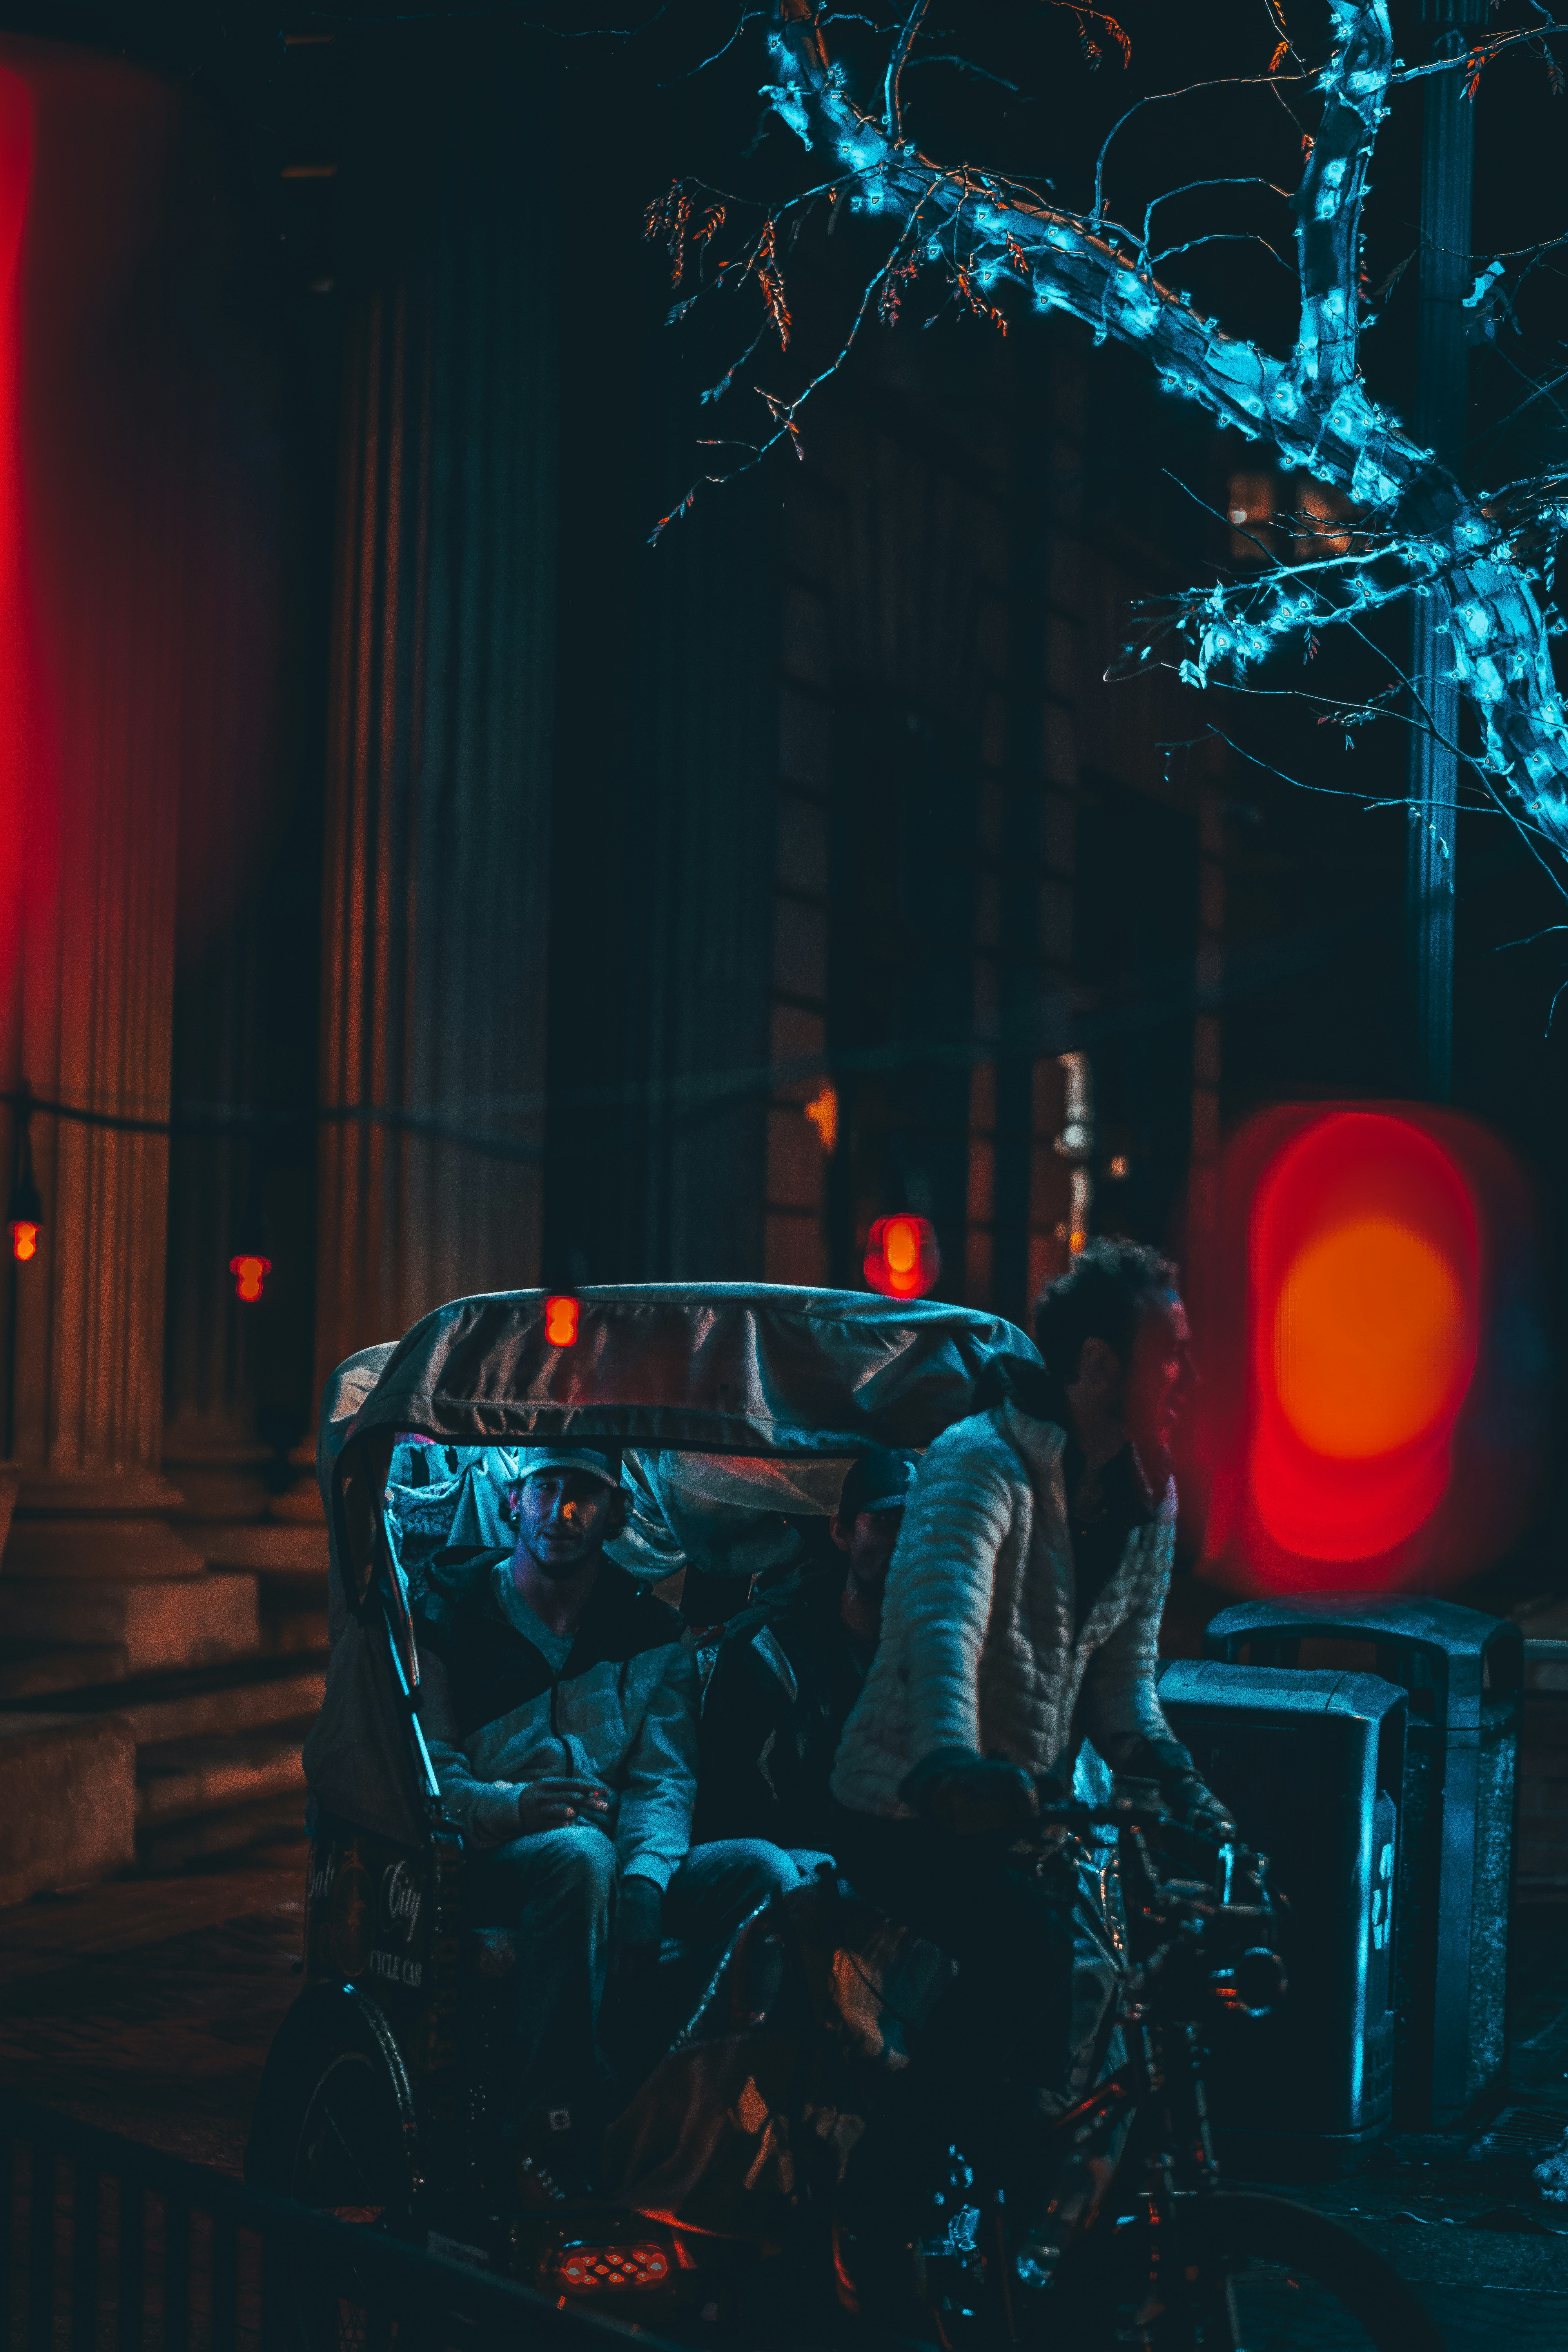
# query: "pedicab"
785,2167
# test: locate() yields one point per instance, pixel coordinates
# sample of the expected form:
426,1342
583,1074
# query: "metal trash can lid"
1284,1690
1461,1638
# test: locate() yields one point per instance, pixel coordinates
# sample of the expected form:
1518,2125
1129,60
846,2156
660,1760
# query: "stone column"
211,1449
440,743
107,601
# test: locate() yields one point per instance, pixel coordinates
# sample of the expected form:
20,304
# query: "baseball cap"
878,1481
601,1462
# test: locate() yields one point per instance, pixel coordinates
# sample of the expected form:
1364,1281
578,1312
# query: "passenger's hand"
560,1804
983,1797
639,1906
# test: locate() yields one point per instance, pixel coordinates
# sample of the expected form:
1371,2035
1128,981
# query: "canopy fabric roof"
737,1368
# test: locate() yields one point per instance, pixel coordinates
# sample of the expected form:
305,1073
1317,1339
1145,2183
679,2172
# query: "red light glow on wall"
561,1317
1366,1313
27,855
249,1277
902,1260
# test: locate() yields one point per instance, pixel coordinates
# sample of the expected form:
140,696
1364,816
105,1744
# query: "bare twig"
891,119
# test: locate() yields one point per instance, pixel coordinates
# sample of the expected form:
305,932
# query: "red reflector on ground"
589,2268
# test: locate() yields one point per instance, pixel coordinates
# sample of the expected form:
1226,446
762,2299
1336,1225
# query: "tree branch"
891,119
1312,407
1327,203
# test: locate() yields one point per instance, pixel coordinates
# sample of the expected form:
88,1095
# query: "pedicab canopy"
738,1405
746,1370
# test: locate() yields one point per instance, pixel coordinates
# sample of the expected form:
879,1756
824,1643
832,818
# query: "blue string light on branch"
1419,532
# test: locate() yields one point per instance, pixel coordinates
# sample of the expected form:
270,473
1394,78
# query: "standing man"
790,1670
1022,1612
560,1706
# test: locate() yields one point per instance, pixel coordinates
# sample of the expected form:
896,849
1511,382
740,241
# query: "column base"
98,1528
234,1517
219,1479
67,1801
10,1478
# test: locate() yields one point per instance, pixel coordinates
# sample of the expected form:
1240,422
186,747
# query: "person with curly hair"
1021,1616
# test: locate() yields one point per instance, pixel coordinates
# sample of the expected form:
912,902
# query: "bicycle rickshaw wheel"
348,2163
1250,2273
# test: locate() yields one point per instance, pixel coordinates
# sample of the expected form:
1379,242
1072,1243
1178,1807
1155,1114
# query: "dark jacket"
777,1701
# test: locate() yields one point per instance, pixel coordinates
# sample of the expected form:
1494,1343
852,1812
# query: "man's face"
869,1544
564,1516
1159,1377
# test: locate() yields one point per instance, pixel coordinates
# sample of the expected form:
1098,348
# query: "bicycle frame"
1138,2142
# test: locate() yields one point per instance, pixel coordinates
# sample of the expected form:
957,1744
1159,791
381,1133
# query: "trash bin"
1311,1766
1463,1672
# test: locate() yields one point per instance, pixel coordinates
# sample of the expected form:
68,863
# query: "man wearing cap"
790,1670
560,1705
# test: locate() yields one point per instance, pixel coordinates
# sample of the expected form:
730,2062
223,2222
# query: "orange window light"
23,1240
823,1113
902,1260
561,1315
249,1274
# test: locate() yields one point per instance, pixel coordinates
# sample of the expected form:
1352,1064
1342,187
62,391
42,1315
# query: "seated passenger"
560,1706
788,1673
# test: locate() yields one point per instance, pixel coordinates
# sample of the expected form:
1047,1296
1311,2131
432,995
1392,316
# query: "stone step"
234,1676
263,1547
213,1773
66,1801
239,1698
194,1622
292,1633
246,1706
42,1669
293,1611
168,1845
302,1505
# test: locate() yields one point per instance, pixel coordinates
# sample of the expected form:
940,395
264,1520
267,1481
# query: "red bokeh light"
1365,1294
1364,1264
902,1260
250,1275
27,861
561,1315
23,1241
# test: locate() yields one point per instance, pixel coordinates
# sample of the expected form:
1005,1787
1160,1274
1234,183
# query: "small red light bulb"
901,1252
902,1260
23,1240
249,1275
561,1317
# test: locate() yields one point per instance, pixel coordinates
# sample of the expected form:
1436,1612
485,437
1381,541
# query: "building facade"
431,888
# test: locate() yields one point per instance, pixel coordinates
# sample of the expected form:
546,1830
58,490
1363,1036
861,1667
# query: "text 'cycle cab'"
784,2159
